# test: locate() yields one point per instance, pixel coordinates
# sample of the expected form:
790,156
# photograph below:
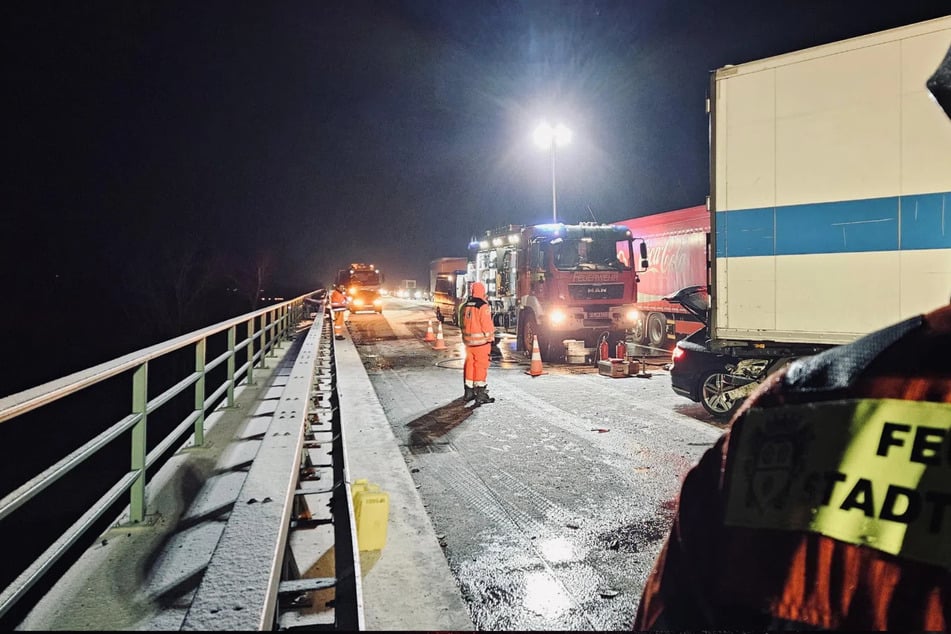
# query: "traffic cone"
430,336
535,369
440,342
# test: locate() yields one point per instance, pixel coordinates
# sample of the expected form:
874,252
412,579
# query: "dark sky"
318,133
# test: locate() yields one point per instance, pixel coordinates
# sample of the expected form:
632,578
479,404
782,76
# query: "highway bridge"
241,516
211,487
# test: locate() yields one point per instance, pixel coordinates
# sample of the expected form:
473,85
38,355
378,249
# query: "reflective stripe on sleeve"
873,472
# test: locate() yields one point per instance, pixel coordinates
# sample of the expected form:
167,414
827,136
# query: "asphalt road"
552,503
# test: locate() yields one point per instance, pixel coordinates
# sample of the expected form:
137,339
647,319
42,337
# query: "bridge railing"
261,332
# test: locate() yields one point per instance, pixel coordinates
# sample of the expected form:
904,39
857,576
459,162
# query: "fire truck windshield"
365,278
592,254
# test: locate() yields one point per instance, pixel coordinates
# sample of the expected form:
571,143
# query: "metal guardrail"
266,329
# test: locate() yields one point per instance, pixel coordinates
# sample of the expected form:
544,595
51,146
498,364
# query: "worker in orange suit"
338,304
478,334
827,504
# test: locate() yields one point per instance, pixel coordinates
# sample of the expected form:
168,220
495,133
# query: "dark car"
698,372
365,301
703,375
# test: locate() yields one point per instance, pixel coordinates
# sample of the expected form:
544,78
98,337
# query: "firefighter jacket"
827,504
477,326
337,300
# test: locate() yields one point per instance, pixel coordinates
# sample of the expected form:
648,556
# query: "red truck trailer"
677,248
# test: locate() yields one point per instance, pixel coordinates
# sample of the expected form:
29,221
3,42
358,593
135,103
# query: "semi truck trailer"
677,248
830,203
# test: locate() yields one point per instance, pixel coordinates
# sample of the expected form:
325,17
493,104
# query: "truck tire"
656,330
711,389
639,332
528,332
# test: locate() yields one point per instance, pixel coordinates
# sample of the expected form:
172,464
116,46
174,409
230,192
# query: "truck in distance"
360,275
448,287
363,283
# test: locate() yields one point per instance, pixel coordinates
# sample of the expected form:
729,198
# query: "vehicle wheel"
656,330
712,388
529,331
639,332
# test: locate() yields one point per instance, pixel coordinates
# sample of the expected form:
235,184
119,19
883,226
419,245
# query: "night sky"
307,135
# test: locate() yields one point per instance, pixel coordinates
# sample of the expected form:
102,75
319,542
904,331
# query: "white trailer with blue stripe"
830,194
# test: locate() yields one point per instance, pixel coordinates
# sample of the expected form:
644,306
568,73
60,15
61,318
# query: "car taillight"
677,354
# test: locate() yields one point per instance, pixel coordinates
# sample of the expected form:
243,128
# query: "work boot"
469,395
482,396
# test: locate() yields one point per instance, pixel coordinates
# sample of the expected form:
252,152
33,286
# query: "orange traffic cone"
535,369
429,332
440,342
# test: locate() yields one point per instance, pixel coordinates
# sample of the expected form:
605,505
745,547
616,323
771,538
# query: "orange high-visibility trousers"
476,366
338,323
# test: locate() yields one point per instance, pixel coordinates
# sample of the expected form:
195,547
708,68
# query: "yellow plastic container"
371,511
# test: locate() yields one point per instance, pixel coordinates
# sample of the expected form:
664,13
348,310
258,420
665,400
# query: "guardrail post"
278,332
140,398
200,348
262,334
272,339
231,339
251,351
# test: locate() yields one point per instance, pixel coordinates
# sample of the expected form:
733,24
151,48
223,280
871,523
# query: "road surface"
552,503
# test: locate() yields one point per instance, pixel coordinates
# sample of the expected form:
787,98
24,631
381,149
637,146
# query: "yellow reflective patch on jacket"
874,472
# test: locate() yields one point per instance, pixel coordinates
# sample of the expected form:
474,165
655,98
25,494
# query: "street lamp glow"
545,135
548,138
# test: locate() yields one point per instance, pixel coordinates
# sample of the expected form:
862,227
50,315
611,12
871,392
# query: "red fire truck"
560,282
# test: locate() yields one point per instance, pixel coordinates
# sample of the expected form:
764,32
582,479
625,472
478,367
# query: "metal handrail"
276,322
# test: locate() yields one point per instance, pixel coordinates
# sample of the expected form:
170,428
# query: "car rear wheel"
713,397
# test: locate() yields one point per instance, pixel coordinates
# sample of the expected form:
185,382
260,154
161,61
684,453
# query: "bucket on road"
371,513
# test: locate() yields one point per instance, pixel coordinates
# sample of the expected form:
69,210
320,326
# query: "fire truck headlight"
358,302
557,316
633,316
377,302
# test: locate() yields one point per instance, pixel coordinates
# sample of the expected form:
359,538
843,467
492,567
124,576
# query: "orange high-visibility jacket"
337,300
477,326
827,504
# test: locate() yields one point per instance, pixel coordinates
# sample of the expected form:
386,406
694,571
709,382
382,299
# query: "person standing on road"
827,504
478,333
338,304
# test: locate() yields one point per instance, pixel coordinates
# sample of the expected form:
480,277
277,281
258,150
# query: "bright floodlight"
545,135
